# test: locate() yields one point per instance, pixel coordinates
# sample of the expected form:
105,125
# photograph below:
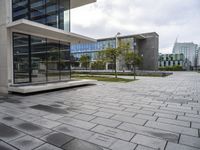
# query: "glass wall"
53,60
21,58
37,8
20,9
39,60
54,13
64,61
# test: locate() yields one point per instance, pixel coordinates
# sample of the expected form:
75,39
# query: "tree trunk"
115,68
134,69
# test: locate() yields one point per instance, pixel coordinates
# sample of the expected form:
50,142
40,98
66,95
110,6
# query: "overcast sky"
169,18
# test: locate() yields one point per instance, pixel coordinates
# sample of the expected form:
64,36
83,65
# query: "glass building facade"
37,59
91,49
54,13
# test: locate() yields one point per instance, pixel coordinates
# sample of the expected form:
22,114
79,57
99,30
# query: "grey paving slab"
10,120
32,129
146,117
195,125
26,143
107,122
113,132
8,133
117,112
57,139
29,117
173,146
5,146
102,140
48,147
190,141
149,141
129,119
172,128
141,147
103,114
74,131
123,145
81,145
84,117
163,115
47,123
175,122
53,117
179,110
77,123
193,119
170,136
145,112
164,111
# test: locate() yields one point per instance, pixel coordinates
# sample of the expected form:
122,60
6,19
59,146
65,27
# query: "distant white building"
190,51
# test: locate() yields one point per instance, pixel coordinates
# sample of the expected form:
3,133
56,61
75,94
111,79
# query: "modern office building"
146,45
171,60
35,41
189,50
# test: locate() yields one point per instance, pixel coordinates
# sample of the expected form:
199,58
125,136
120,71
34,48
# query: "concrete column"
5,44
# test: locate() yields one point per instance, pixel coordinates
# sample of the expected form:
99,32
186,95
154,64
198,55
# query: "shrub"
98,65
171,68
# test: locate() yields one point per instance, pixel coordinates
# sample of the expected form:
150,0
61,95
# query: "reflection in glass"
21,58
53,60
65,61
54,13
38,11
38,59
64,15
20,9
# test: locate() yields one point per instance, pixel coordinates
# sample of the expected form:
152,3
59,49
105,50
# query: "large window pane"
53,60
21,58
38,11
38,59
55,13
64,10
65,61
52,13
20,9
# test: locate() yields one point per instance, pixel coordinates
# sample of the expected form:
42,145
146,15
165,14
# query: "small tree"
111,55
133,59
85,61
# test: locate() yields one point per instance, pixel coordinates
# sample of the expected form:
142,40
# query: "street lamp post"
116,38
116,46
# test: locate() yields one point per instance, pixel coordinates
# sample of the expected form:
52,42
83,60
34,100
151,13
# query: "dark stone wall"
148,47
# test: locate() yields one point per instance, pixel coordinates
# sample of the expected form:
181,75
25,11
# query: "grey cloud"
169,18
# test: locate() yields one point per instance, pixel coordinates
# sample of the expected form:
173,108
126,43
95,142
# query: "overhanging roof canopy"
37,29
78,3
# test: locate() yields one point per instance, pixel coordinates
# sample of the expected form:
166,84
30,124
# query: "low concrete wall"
138,72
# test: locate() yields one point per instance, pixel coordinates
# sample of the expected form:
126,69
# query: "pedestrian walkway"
152,113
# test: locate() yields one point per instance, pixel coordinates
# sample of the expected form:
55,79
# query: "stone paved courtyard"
151,113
